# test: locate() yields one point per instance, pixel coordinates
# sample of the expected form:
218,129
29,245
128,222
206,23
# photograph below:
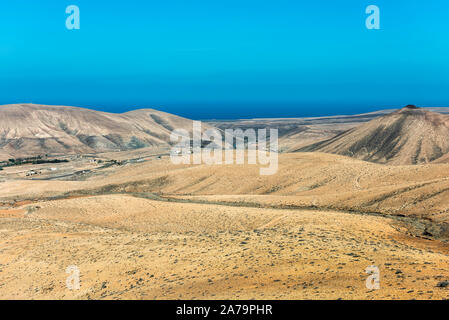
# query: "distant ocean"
232,111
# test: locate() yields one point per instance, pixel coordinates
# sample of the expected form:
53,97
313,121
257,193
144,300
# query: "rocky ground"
154,230
133,248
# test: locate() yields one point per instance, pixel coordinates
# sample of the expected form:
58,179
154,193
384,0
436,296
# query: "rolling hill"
30,130
410,135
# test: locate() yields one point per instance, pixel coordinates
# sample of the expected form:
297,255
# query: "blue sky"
226,59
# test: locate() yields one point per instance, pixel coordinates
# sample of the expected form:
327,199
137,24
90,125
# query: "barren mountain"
29,130
410,135
295,133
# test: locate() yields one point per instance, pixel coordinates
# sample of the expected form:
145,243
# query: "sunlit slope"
303,179
30,130
133,248
410,135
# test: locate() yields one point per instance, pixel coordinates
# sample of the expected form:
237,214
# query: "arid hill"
296,133
152,229
410,135
29,130
303,180
156,230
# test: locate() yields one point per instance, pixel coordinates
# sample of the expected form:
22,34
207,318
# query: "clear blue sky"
226,59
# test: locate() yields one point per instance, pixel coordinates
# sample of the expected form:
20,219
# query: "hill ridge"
410,135
32,129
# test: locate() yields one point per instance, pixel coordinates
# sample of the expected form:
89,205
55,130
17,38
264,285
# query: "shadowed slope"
410,135
29,130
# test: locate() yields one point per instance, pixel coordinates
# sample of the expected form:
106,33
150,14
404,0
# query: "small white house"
32,173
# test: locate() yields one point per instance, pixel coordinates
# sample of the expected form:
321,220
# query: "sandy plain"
155,230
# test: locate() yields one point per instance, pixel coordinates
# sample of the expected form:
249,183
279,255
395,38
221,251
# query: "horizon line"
380,110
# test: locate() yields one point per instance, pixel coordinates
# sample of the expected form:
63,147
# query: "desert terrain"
154,230
140,227
30,130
